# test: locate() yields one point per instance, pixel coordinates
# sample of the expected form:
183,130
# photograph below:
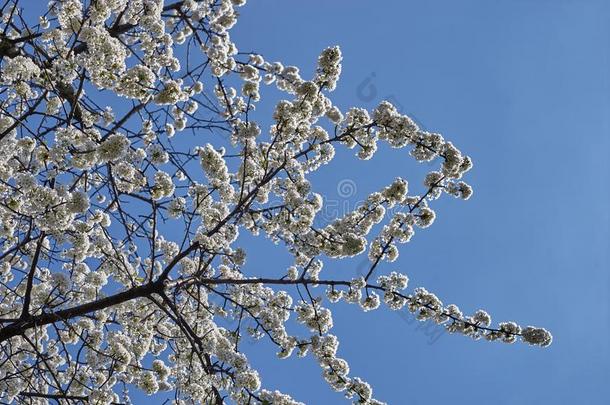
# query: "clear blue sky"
521,86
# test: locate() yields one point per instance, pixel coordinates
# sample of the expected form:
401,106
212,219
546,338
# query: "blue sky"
520,86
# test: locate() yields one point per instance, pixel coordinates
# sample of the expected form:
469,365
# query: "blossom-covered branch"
131,163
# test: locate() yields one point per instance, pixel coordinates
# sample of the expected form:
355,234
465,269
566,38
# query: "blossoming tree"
130,164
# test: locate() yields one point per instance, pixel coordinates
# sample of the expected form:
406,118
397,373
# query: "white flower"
160,369
113,148
170,94
20,68
510,331
250,89
334,295
248,379
397,191
44,23
371,302
358,283
79,202
213,164
353,245
171,131
104,58
536,336
148,383
176,207
157,154
394,281
163,186
329,67
334,114
137,82
293,273
425,217
459,190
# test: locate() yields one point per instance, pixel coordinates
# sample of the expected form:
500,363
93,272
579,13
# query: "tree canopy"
130,163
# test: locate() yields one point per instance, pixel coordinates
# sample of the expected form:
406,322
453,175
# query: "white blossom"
163,187
112,149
